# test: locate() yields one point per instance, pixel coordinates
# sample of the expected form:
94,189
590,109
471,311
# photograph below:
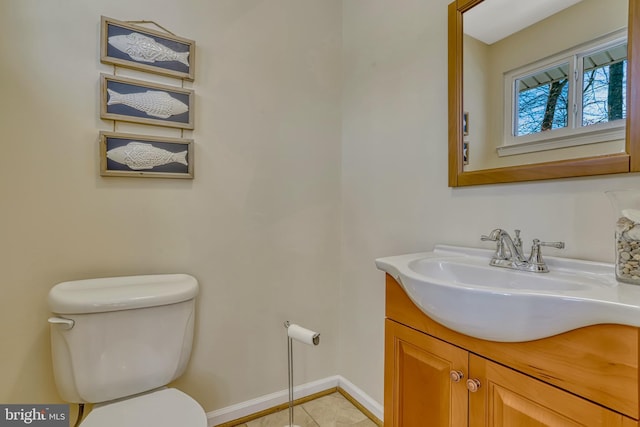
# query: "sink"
476,272
456,287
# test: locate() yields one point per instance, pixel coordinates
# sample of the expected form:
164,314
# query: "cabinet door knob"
473,385
456,376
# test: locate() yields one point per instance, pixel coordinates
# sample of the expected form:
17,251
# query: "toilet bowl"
118,342
168,407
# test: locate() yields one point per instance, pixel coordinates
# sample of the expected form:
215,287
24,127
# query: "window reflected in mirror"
543,100
604,82
573,98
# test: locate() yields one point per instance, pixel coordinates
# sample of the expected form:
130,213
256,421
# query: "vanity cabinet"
420,367
437,377
509,398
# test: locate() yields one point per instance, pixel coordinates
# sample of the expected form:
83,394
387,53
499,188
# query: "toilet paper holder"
301,334
305,336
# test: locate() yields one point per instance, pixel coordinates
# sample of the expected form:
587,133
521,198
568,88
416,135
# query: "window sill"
563,141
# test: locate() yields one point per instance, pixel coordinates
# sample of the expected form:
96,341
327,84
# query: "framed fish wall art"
149,103
124,154
134,46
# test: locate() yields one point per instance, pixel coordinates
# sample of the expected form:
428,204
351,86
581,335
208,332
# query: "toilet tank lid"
121,293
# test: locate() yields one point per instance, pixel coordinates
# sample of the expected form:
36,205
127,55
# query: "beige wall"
478,97
259,225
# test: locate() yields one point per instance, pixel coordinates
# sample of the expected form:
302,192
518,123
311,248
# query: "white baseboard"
258,404
361,397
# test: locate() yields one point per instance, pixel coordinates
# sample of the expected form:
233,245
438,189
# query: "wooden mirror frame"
587,166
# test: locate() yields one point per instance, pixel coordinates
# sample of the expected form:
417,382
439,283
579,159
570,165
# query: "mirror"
475,135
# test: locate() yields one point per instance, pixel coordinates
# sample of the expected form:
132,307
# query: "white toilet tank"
116,337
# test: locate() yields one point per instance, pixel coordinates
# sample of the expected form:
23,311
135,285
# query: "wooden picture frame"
138,101
130,155
133,46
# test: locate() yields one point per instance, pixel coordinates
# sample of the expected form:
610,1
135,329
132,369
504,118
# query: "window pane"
605,86
543,100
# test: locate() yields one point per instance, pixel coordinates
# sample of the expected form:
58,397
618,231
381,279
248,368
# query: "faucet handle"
557,245
535,258
494,236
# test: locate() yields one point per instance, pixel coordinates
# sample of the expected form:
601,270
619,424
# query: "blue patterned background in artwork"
114,30
125,88
171,167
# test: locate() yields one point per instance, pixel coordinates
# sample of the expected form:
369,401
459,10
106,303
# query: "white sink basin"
456,287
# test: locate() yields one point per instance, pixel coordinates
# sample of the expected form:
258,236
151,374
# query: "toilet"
117,342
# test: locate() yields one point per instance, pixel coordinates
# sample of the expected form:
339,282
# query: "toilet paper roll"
303,335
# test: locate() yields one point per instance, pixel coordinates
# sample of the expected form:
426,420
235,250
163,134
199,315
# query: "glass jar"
626,205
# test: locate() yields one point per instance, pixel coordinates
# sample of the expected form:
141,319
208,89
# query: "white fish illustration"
145,49
153,102
139,155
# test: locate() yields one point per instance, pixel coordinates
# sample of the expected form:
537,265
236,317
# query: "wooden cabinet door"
507,398
419,390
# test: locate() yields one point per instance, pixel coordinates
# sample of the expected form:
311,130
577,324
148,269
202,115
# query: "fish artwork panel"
146,49
140,156
154,103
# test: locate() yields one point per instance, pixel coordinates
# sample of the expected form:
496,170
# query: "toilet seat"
167,407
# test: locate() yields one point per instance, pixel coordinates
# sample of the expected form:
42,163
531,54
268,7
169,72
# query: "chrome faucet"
509,253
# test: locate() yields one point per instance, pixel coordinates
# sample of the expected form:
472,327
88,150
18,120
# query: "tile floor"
333,410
